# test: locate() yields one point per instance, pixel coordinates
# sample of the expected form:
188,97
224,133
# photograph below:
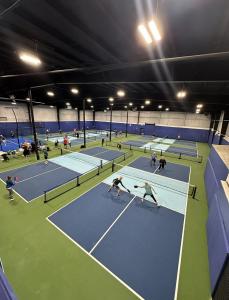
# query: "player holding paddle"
10,182
115,184
148,192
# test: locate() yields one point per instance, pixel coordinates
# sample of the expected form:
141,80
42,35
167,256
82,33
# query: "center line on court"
38,175
106,232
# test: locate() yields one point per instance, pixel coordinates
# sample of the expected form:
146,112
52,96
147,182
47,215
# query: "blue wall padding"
218,218
218,247
210,137
6,292
192,134
224,142
216,139
25,129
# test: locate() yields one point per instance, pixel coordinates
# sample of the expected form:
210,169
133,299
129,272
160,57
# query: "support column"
33,125
58,117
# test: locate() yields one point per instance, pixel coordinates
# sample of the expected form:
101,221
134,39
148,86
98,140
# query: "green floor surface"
42,264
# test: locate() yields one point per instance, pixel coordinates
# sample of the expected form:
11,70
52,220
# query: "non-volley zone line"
117,231
44,176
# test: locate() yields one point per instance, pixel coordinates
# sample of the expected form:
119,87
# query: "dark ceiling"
99,40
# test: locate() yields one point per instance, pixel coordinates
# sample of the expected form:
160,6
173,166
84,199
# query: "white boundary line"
26,165
105,233
15,192
39,174
83,193
182,241
154,173
97,261
2,265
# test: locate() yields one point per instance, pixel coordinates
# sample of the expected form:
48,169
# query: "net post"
61,151
194,192
45,197
98,170
130,147
124,156
77,181
161,152
201,159
179,156
113,166
101,163
144,149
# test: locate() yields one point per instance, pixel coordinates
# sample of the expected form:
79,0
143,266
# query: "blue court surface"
185,151
171,170
34,179
137,242
157,146
103,153
12,144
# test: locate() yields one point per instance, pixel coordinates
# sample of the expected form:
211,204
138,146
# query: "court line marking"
173,179
1,263
109,228
182,241
85,192
13,142
96,260
15,191
39,174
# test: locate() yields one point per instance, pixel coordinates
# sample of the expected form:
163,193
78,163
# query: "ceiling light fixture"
159,106
147,102
89,100
154,30
167,109
142,107
181,94
50,94
30,59
145,33
130,104
199,105
51,106
121,93
75,91
111,99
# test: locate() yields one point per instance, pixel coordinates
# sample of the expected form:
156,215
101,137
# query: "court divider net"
62,188
179,155
144,176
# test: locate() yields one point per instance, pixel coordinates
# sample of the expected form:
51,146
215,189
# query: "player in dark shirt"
162,163
115,184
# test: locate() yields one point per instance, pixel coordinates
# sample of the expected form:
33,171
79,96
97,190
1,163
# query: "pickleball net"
140,177
140,148
96,170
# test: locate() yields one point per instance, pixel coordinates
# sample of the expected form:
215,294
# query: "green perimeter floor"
42,264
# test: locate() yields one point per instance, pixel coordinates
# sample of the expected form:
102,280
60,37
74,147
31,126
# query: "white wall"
178,119
21,112
68,115
88,115
43,113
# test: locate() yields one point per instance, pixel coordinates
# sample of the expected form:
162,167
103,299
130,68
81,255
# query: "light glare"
147,102
121,93
89,100
154,30
144,32
30,59
50,94
111,99
74,91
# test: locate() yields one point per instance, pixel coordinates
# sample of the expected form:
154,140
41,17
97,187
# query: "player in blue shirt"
9,186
